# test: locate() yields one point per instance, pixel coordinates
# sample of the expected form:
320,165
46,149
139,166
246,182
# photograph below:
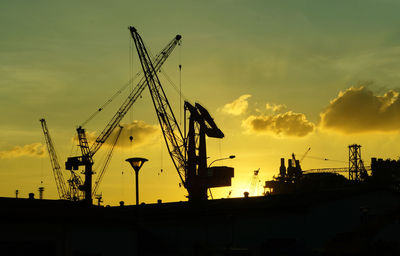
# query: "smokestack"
282,169
297,162
290,171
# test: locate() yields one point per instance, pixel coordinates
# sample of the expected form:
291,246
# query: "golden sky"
277,77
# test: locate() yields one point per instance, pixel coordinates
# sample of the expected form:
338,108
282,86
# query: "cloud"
287,124
358,110
238,106
141,132
275,107
32,150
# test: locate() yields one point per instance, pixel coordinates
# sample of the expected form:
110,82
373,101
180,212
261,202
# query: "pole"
137,186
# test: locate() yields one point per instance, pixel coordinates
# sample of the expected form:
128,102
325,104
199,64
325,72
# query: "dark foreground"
351,221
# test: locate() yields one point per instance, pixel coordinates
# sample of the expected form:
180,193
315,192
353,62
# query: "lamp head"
136,162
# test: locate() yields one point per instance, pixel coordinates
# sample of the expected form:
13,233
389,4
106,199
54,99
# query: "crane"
88,152
70,192
254,182
199,177
188,154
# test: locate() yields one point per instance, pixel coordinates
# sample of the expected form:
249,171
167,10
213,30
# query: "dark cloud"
358,110
32,150
287,124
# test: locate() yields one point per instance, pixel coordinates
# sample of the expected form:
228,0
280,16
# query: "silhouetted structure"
357,170
67,189
99,198
88,151
386,172
282,168
354,219
41,190
188,153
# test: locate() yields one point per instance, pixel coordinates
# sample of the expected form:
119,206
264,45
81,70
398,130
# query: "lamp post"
220,159
137,163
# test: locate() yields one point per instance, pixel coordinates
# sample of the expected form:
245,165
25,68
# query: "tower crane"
70,192
188,154
88,152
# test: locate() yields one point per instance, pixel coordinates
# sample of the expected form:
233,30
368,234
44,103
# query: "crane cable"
132,86
326,159
180,84
132,78
175,87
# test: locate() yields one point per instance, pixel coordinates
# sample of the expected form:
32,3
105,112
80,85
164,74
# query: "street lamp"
220,159
137,163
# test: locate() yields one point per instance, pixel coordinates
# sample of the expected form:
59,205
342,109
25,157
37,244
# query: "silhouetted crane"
70,192
87,153
188,154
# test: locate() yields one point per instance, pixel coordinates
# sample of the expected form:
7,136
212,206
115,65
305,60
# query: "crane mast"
86,159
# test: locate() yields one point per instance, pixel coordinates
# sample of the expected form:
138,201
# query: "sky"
278,77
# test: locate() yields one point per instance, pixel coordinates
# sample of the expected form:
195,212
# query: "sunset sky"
278,77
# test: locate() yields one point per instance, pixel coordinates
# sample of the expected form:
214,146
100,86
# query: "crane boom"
169,126
62,190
